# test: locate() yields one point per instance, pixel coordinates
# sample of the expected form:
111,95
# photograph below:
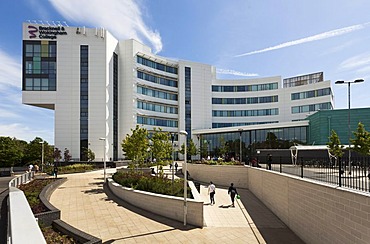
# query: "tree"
57,155
191,149
335,147
223,147
33,150
67,155
361,142
203,150
135,146
162,146
10,151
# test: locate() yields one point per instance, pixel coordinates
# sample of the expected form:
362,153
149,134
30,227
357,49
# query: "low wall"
22,179
316,212
159,204
220,175
22,225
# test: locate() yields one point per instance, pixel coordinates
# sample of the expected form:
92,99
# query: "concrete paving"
89,206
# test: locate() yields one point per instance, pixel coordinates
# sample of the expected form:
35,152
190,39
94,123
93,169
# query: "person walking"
269,161
212,192
176,165
55,171
232,192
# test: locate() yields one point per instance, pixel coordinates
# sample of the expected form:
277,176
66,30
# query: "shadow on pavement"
166,221
272,229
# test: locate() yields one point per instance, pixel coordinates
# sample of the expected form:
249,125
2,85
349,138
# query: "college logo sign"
46,32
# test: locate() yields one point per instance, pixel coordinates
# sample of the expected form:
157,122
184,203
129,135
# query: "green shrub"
68,169
156,184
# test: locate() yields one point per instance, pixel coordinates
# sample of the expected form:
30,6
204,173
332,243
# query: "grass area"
69,169
156,184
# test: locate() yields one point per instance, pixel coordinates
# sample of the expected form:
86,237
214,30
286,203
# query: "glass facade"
156,65
39,66
188,101
245,113
310,94
222,125
156,93
156,79
157,121
157,107
246,88
303,80
249,100
115,106
215,144
311,108
84,101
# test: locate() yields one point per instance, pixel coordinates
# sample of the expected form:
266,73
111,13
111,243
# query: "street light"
240,144
182,132
105,164
349,115
42,156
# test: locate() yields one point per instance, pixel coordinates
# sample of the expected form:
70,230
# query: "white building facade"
101,88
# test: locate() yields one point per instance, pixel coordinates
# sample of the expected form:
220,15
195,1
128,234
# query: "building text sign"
45,32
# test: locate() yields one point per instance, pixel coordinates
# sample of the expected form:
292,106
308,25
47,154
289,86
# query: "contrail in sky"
234,72
317,37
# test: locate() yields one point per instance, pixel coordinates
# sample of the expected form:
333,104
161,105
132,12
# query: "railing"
336,172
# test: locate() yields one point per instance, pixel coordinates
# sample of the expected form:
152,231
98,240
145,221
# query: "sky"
241,38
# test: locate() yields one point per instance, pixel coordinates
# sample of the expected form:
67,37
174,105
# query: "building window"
156,79
39,66
311,108
245,113
310,94
246,88
249,100
156,121
155,65
84,101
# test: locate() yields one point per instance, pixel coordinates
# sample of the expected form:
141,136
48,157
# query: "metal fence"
336,172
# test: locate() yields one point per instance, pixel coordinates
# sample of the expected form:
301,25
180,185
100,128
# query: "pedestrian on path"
212,192
176,165
232,191
55,171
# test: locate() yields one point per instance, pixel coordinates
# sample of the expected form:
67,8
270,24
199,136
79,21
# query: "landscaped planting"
145,182
32,191
69,169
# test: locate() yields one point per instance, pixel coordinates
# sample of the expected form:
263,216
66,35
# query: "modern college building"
101,88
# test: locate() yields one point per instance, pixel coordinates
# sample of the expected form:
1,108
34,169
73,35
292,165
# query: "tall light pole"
105,163
240,144
349,115
42,156
182,132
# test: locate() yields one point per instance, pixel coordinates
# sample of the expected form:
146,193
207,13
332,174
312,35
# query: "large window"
156,65
156,93
84,100
39,65
310,94
245,113
156,79
157,107
247,88
156,121
222,125
249,100
311,108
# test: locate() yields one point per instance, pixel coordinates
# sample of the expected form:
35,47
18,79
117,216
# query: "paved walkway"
87,206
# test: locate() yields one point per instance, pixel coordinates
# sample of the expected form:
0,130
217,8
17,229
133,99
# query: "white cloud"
122,17
317,37
234,72
25,133
10,72
356,62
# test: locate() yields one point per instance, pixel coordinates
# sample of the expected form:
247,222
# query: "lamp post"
172,161
42,155
349,116
105,163
240,144
182,132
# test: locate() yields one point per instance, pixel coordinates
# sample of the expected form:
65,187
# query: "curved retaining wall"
158,204
315,211
220,175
